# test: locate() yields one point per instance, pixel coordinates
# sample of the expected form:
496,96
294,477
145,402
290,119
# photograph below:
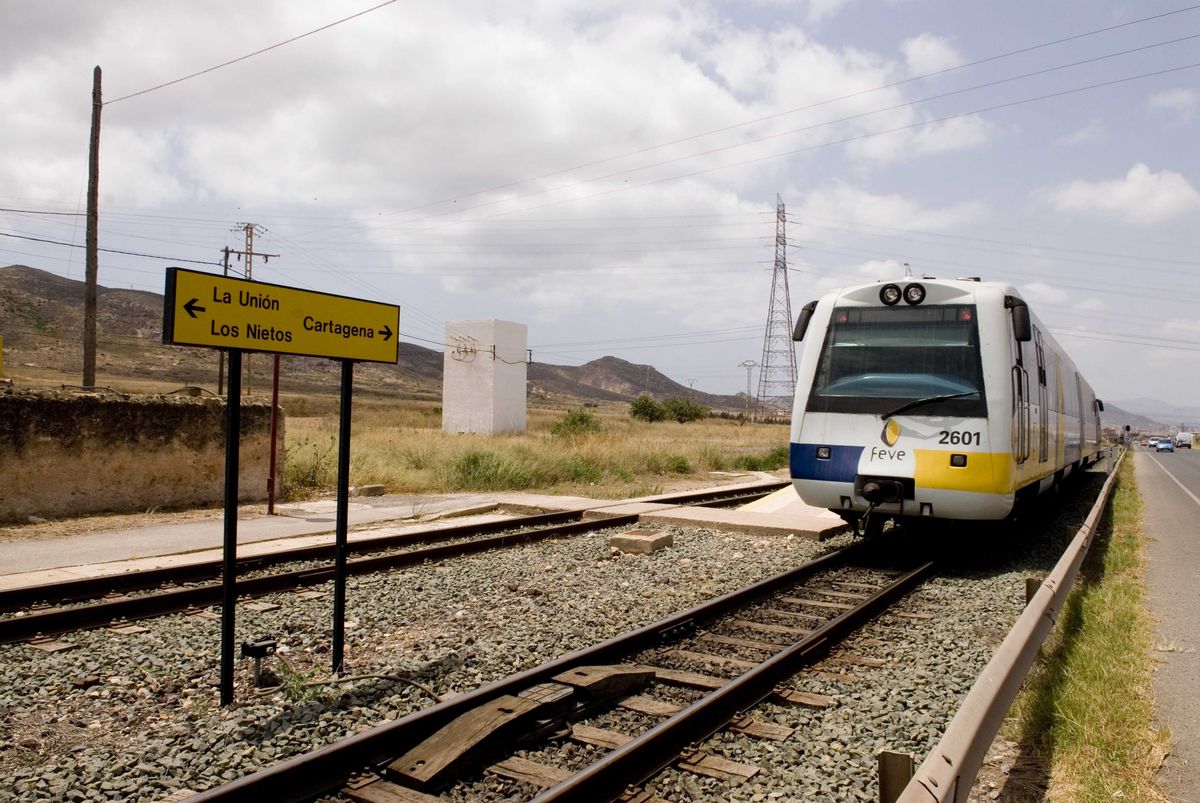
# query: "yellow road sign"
203,309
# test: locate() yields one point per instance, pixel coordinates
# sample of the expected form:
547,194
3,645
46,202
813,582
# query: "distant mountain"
41,321
1118,418
1165,414
614,379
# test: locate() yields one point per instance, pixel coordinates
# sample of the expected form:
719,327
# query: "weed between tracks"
597,454
1085,714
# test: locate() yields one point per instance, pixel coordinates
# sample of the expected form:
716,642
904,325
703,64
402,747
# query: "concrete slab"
36,577
759,478
541,503
293,520
786,501
641,542
815,527
625,509
40,561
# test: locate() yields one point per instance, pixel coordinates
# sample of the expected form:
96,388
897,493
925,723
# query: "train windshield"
876,359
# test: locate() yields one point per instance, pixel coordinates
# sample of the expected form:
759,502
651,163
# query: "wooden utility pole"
92,244
250,229
221,364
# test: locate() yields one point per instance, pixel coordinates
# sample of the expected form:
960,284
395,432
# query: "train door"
1020,381
1043,409
1082,412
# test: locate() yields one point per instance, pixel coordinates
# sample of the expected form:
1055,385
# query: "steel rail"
307,776
93,587
730,501
65,620
641,758
950,769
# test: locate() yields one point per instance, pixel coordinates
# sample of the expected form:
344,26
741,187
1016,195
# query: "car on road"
1165,445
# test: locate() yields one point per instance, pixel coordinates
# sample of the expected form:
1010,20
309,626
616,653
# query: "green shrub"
684,410
668,464
579,469
776,458
309,466
644,408
576,422
490,471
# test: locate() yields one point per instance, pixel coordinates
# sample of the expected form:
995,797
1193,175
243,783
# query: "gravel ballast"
135,717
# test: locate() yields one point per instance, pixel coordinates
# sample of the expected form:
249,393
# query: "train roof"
867,292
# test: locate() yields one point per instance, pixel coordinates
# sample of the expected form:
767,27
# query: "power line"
845,140
959,267
805,129
110,250
250,55
1088,262
807,107
41,212
850,227
1135,340
646,338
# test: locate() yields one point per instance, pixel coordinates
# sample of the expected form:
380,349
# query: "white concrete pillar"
483,382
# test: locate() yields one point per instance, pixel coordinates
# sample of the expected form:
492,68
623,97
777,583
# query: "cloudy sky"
606,171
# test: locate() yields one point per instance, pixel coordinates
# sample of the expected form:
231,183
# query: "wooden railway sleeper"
475,737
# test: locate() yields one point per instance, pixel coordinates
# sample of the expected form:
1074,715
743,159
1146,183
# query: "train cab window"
876,358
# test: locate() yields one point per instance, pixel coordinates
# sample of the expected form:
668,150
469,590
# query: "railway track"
181,588
631,705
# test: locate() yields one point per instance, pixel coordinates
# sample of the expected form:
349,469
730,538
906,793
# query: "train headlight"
822,452
890,294
914,294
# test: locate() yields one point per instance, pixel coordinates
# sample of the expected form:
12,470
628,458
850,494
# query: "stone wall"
70,454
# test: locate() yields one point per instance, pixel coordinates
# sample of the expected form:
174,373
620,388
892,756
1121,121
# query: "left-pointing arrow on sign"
192,308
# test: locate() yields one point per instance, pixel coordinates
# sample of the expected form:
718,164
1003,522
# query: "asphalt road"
1170,487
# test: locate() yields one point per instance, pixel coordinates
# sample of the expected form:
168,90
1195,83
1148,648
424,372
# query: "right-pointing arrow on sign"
386,332
191,307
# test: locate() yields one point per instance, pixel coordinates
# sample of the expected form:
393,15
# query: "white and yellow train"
927,398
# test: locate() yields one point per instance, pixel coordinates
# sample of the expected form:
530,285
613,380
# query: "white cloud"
842,203
1179,102
1094,131
956,134
928,53
820,10
1187,327
1142,197
1043,293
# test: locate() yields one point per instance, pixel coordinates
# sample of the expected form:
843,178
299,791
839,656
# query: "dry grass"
1088,711
404,449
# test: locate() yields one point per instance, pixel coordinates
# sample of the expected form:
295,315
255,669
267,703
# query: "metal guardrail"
950,769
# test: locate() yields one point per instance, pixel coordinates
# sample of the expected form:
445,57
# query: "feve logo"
890,433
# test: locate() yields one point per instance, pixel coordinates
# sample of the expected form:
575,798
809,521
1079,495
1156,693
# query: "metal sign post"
233,432
343,504
213,311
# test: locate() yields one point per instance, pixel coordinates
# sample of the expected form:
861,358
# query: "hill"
41,321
